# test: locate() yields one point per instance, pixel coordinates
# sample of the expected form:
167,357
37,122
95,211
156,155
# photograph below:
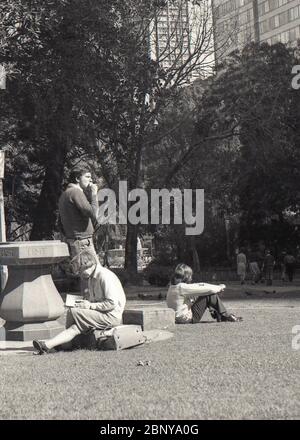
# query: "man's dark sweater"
76,213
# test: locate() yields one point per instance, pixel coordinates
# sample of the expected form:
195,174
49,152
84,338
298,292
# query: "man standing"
78,207
269,263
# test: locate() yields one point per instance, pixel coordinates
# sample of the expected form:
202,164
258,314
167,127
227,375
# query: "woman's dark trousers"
200,305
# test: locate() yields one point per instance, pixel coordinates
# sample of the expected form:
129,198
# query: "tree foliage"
81,78
240,142
47,48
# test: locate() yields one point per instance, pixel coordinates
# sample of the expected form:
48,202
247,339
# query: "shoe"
231,318
41,347
215,315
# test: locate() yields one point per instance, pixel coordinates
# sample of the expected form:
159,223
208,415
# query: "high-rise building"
170,37
238,22
176,33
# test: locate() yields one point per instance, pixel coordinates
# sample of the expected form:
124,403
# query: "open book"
71,299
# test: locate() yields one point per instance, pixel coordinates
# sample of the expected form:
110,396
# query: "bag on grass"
120,337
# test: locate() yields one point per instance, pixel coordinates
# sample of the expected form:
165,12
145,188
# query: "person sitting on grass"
190,300
102,309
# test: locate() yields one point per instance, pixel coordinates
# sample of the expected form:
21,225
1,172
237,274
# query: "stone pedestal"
30,303
150,317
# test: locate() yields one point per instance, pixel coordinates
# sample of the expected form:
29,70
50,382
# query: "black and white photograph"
149,214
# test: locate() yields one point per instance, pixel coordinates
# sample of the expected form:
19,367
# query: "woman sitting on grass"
190,300
102,309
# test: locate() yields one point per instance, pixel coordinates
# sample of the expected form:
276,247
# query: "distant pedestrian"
260,262
241,261
253,266
269,263
289,262
282,266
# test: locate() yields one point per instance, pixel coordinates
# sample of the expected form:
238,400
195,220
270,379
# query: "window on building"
264,26
243,18
288,37
274,22
273,4
283,18
292,34
294,13
261,9
282,2
284,37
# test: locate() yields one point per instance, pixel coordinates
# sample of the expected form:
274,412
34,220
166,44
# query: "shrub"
157,274
126,278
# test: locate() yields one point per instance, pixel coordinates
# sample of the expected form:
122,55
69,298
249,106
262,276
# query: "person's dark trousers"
201,304
269,276
289,269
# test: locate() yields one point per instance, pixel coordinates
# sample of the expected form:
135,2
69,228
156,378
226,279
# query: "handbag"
120,337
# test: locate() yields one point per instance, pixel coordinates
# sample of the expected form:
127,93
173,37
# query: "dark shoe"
231,318
215,315
41,347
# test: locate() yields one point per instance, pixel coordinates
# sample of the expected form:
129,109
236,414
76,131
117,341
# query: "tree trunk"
196,261
60,130
46,211
132,230
131,249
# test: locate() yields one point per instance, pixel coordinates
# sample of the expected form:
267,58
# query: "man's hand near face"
94,189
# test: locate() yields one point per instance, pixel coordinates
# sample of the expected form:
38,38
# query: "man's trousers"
201,304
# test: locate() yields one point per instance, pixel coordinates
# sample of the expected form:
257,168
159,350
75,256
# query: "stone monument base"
21,331
30,303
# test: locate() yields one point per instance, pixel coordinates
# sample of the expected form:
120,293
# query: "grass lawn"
242,370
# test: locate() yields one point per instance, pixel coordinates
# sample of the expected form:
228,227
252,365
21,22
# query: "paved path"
233,290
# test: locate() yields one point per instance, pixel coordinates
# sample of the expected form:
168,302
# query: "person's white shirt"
106,292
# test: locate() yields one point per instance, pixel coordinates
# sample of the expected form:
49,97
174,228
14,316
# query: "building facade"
170,39
238,22
176,33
